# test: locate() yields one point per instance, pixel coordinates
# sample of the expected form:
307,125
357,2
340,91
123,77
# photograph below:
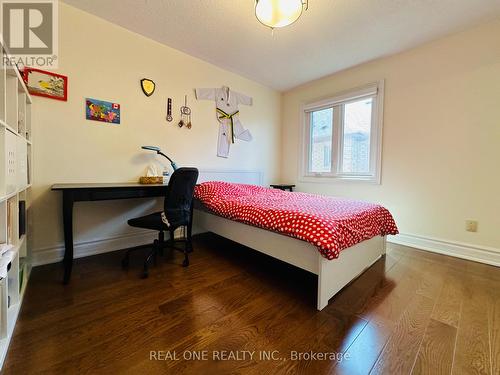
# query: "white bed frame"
333,275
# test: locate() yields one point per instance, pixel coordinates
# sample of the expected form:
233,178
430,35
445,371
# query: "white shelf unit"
16,146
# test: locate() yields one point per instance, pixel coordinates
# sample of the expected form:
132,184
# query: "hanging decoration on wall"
148,86
100,110
46,84
169,110
230,127
185,115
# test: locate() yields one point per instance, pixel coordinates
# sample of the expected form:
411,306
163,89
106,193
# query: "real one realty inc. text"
244,355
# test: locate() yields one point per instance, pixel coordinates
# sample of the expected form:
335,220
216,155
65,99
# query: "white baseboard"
482,254
86,248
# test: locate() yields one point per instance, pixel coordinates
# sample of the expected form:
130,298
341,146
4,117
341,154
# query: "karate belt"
224,115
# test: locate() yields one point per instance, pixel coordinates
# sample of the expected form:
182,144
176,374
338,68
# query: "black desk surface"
102,185
282,185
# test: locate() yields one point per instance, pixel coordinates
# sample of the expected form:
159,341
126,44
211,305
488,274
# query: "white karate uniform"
227,102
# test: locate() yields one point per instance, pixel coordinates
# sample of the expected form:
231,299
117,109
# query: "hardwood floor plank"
495,332
436,351
431,281
335,334
472,353
394,295
402,347
363,353
449,304
352,299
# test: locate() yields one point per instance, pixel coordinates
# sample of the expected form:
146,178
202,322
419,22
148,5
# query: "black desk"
72,193
283,187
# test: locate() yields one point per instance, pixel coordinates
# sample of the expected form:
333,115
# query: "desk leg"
68,201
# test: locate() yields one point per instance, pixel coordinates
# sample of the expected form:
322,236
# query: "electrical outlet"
471,225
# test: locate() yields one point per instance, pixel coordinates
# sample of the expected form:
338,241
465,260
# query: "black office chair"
177,213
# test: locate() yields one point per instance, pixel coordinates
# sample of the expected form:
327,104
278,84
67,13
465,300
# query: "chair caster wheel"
185,263
144,275
125,263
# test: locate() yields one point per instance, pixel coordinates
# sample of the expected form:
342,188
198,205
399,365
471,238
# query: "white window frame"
374,90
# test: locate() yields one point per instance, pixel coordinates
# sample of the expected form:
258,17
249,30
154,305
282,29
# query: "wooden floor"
412,312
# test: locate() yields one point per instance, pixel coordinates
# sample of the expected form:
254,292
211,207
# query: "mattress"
329,223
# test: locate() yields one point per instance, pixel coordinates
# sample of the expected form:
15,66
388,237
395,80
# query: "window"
342,136
321,141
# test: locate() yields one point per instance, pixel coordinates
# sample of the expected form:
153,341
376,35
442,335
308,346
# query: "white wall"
104,61
441,141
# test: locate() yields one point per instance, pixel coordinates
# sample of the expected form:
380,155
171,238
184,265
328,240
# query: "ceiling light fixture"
279,13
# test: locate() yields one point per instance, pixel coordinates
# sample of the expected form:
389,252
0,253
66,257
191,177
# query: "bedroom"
386,109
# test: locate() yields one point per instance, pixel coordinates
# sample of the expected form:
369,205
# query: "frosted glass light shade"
278,13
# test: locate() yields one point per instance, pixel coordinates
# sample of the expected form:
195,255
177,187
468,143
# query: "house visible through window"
321,140
342,136
357,121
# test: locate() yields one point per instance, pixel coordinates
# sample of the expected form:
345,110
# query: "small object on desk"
159,152
147,180
166,177
152,176
283,187
152,171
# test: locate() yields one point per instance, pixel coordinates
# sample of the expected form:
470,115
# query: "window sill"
374,180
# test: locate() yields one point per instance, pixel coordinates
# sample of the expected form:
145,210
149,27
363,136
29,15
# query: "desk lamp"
158,151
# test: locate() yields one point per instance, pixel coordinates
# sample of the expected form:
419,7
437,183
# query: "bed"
336,239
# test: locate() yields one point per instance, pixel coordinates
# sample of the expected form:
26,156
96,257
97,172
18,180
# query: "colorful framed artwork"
46,84
100,110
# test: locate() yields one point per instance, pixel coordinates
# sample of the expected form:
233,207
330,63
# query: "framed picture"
100,110
46,84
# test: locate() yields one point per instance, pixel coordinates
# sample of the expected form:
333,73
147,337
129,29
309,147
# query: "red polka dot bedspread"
331,224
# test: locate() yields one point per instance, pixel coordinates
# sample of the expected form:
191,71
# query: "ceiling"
332,35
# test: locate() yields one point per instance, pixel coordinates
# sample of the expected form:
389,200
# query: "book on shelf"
28,166
10,226
11,217
22,218
23,267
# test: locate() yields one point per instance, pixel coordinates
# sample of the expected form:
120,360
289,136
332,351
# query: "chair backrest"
180,189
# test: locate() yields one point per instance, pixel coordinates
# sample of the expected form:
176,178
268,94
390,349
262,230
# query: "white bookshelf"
16,147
